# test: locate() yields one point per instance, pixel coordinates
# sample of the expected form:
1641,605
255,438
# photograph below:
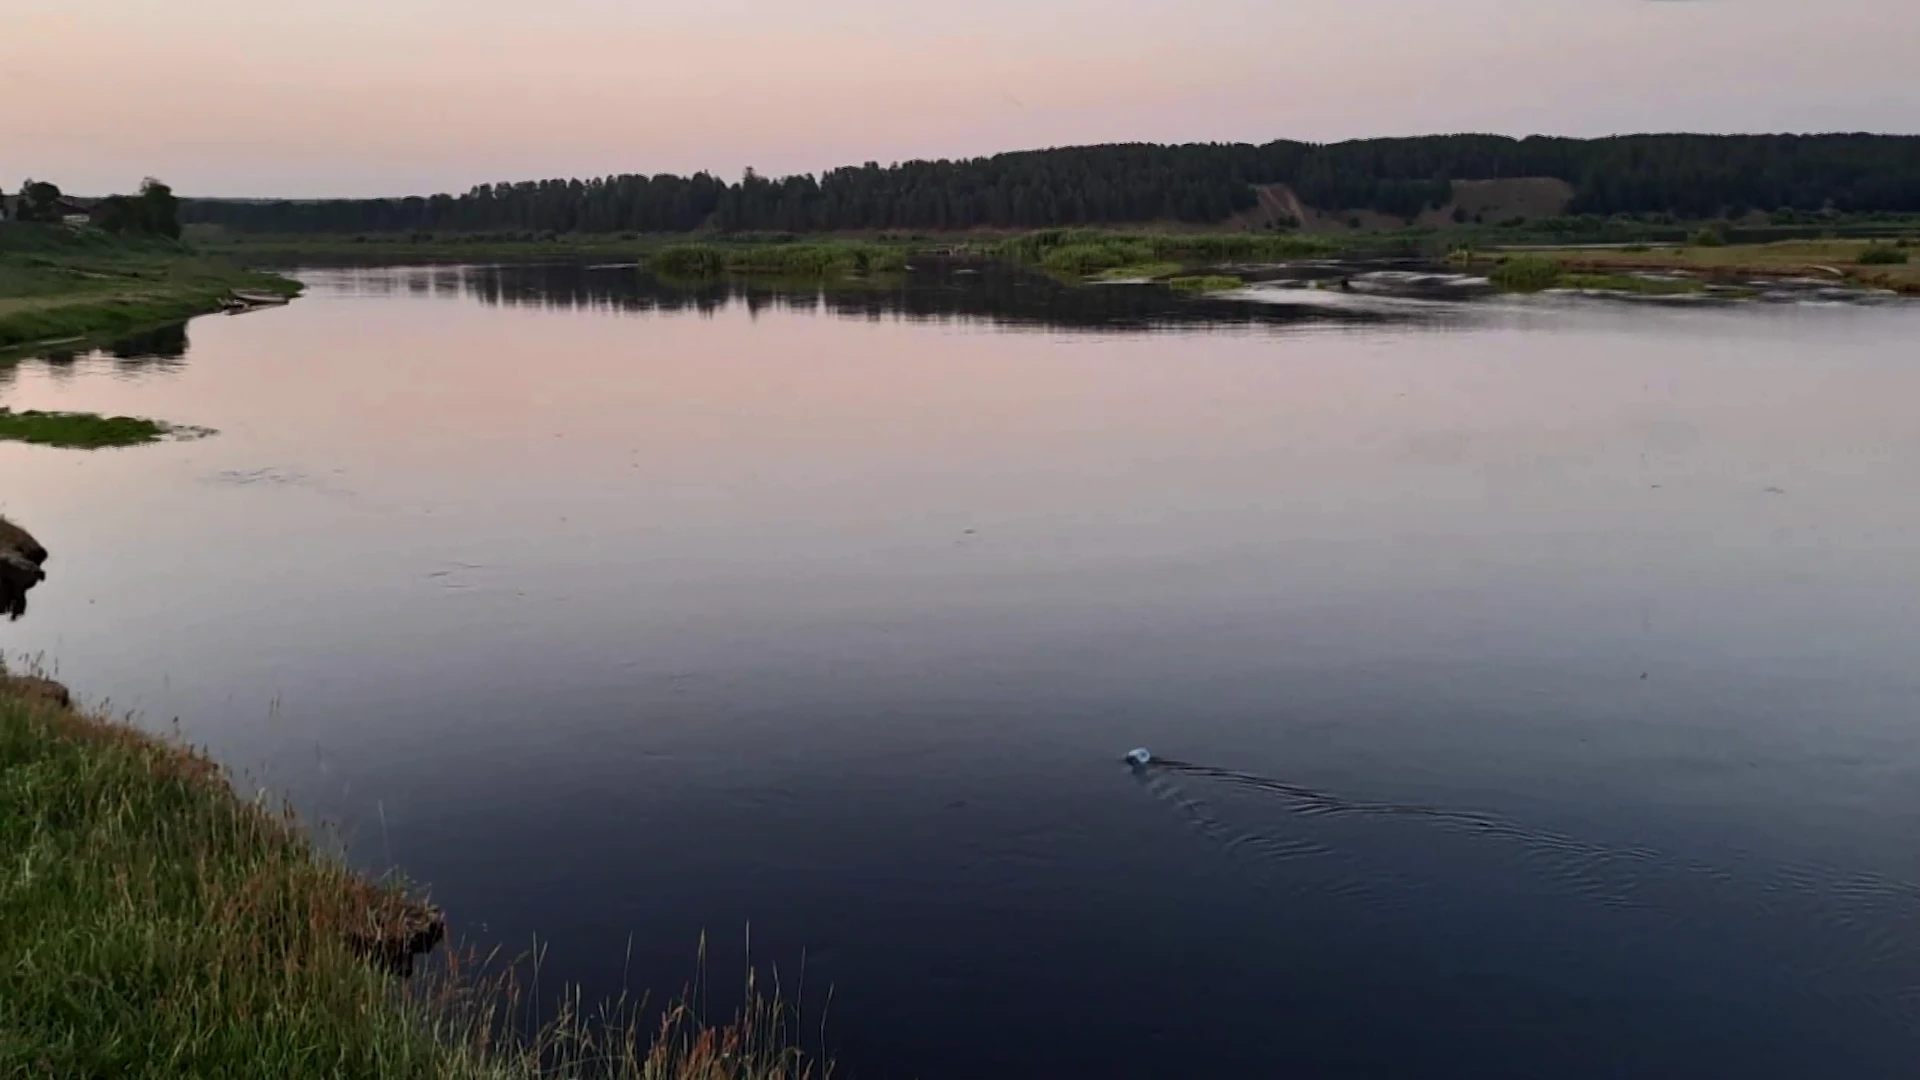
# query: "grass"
1535,273
1151,271
1632,283
153,924
1082,253
157,925
1527,273
675,254
1204,283
269,248
1833,259
58,284
816,259
79,431
773,255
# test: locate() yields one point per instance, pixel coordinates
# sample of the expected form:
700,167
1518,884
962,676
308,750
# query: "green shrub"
1708,236
1086,258
689,260
1882,255
1527,273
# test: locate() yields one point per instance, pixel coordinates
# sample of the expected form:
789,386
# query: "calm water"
1547,671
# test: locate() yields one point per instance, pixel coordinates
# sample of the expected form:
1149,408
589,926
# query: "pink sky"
354,97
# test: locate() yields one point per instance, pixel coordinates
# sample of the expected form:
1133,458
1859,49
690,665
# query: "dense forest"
1691,176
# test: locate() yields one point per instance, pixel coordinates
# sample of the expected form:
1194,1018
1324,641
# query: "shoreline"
161,924
1090,255
63,287
1834,261
166,916
86,320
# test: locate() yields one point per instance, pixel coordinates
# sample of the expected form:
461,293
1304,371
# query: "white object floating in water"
1139,758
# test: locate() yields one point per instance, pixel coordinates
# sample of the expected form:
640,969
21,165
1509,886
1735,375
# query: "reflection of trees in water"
151,347
941,290
163,349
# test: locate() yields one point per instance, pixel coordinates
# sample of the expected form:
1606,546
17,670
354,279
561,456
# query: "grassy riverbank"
1078,255
269,249
158,925
1069,252
1083,253
155,924
1867,263
60,285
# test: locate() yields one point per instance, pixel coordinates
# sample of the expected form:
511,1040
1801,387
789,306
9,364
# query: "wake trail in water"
1312,803
1843,932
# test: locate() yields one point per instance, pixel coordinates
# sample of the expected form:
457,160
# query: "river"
1539,676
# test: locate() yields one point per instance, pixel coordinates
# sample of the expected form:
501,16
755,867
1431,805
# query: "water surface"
1546,670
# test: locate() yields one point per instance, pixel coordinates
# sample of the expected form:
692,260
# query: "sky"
313,98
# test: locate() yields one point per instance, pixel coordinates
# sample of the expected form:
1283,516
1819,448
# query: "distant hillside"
1469,202
1377,182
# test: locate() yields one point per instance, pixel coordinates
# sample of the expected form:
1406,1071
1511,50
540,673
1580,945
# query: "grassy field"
59,284
1835,260
154,924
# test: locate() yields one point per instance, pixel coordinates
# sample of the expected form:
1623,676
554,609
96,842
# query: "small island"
79,430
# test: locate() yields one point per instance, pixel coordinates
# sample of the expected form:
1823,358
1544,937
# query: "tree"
155,211
160,209
1688,176
119,214
39,201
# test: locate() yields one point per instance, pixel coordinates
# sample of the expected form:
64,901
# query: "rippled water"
1536,679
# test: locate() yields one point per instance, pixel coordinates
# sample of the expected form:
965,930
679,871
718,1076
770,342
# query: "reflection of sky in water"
629,618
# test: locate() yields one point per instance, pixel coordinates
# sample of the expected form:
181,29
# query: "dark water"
1546,672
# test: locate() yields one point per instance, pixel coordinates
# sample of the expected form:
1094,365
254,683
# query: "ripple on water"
1836,936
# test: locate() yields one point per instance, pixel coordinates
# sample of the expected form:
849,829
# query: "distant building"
75,211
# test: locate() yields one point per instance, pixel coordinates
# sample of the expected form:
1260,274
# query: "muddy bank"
21,559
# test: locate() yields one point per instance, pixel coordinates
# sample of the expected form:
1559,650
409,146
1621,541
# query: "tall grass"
1083,252
1205,283
826,258
154,924
1527,273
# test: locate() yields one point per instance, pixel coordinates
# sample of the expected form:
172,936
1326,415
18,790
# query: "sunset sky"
358,97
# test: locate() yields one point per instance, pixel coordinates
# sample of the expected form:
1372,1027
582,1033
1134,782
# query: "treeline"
155,211
1692,176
